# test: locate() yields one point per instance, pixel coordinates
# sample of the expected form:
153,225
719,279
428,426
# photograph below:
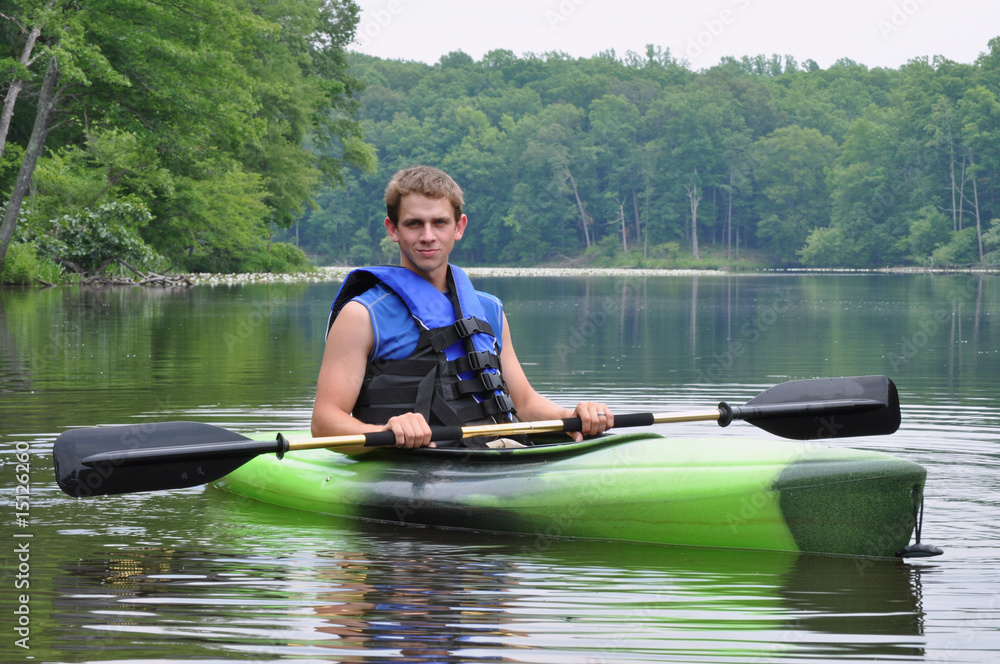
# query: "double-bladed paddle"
173,455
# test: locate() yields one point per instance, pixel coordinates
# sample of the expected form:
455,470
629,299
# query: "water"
199,575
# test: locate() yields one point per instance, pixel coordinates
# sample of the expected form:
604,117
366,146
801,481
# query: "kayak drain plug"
918,550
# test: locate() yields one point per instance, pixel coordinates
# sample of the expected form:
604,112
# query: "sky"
876,33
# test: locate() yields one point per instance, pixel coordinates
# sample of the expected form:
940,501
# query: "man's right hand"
411,430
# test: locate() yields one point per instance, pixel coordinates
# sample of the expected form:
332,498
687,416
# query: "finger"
411,430
423,433
590,419
601,418
404,431
607,417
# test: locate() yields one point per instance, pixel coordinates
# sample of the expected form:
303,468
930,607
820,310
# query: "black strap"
476,361
495,404
484,382
443,337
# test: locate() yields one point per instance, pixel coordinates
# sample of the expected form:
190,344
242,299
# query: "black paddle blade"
825,408
131,458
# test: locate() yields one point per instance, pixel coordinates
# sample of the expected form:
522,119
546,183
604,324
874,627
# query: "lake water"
198,575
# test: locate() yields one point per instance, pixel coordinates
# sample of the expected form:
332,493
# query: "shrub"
22,265
90,240
276,257
963,249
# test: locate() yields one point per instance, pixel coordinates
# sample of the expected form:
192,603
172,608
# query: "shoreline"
336,273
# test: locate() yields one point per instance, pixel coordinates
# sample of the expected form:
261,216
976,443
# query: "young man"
415,345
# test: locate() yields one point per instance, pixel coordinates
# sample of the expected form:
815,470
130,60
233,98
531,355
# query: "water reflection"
307,586
879,603
200,576
426,608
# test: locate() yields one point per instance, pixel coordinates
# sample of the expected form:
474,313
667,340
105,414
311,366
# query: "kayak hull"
710,492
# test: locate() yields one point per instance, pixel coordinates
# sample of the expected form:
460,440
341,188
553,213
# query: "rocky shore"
325,274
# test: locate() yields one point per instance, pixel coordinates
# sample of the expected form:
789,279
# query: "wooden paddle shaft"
384,438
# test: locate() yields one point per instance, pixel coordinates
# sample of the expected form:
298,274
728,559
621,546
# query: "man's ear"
460,225
391,229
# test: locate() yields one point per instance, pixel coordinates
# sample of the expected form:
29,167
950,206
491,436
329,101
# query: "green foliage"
825,247
929,229
991,243
274,257
361,251
793,165
110,165
389,251
961,251
212,221
91,240
222,116
10,162
23,265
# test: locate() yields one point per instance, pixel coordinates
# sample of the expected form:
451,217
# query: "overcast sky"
876,33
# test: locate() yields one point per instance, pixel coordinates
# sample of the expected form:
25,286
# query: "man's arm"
531,406
341,374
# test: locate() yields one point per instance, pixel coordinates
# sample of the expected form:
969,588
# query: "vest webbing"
453,375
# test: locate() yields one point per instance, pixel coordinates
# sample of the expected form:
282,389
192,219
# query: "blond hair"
425,180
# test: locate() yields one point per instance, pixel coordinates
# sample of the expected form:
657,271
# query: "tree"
227,96
847,166
554,145
614,131
980,112
791,168
871,184
32,29
90,241
692,140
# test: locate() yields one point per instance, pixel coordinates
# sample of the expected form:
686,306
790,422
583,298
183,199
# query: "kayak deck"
710,492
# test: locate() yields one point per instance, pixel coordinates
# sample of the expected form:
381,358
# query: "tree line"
175,135
240,135
638,160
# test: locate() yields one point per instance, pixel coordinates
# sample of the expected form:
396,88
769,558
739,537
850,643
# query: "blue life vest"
434,355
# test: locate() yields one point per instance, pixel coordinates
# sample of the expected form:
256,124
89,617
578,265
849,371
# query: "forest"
245,135
637,160
169,136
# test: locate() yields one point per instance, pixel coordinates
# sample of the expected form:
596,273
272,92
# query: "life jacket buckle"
491,381
466,327
502,402
482,360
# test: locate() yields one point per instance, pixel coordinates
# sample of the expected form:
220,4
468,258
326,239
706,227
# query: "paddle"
173,455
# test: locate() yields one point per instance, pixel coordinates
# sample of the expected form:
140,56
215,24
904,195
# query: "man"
415,345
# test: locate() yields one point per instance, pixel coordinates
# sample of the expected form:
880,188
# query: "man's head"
426,181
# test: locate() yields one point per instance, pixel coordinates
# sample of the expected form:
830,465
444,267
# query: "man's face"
426,234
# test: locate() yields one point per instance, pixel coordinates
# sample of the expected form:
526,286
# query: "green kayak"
724,492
